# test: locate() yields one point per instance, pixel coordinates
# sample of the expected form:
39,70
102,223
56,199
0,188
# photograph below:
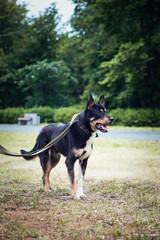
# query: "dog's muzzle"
111,119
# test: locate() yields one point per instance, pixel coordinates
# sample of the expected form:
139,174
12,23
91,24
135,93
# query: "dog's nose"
111,119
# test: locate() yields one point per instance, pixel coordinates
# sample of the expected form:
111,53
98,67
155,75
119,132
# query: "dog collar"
86,130
83,128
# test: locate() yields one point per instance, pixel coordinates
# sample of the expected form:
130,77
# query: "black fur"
77,143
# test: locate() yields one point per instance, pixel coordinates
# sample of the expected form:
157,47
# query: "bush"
136,117
10,115
123,117
65,114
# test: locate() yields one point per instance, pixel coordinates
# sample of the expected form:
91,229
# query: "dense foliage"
114,49
121,42
48,84
123,117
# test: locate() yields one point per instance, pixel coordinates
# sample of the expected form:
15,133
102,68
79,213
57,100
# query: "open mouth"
102,127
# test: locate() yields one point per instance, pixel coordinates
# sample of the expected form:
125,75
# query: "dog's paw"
83,196
80,196
52,189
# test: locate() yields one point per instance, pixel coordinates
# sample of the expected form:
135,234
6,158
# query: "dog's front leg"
82,169
70,167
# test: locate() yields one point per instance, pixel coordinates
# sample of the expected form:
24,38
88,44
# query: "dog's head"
96,115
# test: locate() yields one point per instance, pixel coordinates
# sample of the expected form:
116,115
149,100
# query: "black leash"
49,145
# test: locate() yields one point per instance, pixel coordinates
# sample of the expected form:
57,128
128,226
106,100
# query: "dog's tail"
29,157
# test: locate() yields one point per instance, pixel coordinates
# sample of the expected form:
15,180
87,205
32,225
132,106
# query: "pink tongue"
104,128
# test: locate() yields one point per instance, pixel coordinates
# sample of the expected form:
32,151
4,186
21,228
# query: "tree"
71,52
12,20
23,42
136,25
41,38
97,44
48,84
125,73
12,24
121,41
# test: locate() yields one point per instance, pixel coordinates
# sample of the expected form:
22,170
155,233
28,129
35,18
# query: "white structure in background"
29,119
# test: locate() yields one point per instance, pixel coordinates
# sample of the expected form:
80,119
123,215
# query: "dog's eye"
103,110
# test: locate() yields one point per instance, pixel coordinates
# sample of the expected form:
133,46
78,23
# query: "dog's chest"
85,152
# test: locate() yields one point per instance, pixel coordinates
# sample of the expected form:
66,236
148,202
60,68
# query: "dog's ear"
90,103
102,101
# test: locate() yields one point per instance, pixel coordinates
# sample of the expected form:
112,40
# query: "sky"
65,8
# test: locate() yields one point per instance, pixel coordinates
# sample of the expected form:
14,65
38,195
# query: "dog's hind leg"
48,161
82,169
54,158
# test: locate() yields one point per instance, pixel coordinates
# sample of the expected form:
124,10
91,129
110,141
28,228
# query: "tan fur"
74,189
104,121
50,164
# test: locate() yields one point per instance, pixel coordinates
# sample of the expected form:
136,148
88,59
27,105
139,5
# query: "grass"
134,128
122,187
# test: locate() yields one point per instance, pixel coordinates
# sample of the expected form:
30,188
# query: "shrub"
65,114
123,117
10,115
136,117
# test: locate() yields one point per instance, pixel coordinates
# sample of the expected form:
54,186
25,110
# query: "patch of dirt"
112,210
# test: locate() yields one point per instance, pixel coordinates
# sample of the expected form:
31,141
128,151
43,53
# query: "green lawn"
122,186
136,128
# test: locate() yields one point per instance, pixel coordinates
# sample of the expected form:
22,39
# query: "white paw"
80,196
51,189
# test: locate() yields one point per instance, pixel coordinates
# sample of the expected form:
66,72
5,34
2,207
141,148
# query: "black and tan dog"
77,144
